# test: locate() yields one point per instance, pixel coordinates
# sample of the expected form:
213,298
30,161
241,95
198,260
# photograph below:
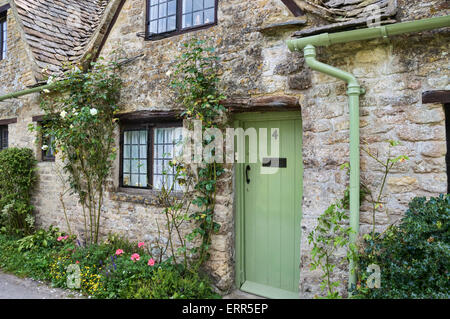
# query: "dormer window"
3,35
170,17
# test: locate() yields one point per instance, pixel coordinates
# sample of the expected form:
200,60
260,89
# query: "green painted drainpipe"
26,92
354,91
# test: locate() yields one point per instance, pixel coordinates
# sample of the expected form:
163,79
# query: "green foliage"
376,197
104,273
80,115
414,257
33,262
17,180
328,237
116,241
170,283
195,83
40,239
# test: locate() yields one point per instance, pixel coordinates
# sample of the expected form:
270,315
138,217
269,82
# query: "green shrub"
414,257
171,283
33,263
116,241
40,239
17,179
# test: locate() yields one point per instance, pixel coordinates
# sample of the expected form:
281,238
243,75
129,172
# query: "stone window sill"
138,196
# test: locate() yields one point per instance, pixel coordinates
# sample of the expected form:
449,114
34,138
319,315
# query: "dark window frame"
149,125
179,16
3,129
44,158
3,18
447,132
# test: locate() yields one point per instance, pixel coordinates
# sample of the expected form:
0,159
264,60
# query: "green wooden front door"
270,208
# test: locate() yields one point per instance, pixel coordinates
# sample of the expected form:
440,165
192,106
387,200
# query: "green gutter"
354,91
326,39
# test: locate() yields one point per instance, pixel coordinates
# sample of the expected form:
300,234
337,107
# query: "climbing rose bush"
80,113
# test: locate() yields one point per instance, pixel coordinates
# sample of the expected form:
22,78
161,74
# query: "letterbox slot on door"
274,162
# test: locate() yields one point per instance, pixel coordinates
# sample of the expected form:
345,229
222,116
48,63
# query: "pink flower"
77,262
62,238
151,262
119,252
135,257
141,244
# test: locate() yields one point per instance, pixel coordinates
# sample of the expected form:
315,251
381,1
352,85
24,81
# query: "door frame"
238,120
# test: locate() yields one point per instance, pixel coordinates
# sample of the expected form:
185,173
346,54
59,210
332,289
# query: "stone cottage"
405,79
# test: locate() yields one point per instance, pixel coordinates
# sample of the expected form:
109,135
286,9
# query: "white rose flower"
44,147
63,114
169,73
94,111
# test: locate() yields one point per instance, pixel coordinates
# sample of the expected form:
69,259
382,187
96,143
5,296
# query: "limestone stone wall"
15,69
394,73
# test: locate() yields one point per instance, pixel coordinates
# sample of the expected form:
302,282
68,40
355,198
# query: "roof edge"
35,69
100,36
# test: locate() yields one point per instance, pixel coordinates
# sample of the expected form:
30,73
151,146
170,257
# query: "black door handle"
246,173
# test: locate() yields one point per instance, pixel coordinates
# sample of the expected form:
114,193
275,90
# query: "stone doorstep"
238,294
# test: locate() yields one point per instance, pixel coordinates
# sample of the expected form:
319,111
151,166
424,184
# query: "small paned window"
170,17
145,155
198,12
164,148
3,35
447,156
48,152
3,137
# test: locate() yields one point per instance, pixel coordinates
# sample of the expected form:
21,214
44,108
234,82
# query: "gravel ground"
12,287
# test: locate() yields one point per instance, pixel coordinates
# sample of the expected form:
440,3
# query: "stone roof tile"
348,10
59,30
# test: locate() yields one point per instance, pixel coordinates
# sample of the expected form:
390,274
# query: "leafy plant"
41,238
327,238
17,180
195,83
80,114
414,257
169,283
387,165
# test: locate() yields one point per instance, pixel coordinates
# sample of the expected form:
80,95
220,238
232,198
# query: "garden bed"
114,269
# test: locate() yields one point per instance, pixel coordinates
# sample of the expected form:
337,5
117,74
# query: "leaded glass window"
198,12
165,148
162,16
3,36
3,137
135,158
146,153
167,17
48,152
